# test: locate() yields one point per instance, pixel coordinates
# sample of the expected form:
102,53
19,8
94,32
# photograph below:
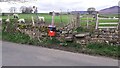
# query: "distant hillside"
81,12
110,10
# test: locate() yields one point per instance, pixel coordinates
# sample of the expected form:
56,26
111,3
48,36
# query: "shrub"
81,29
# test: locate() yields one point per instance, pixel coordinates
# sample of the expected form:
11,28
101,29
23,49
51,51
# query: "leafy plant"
81,29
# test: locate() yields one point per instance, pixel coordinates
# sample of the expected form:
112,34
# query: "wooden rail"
113,27
107,23
103,27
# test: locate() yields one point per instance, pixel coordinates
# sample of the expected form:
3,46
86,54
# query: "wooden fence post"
96,27
78,20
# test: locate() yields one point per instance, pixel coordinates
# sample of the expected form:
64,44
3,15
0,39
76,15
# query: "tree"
30,9
12,9
91,10
50,13
23,9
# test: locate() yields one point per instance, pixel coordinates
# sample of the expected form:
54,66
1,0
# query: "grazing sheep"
21,21
115,18
15,16
7,20
41,18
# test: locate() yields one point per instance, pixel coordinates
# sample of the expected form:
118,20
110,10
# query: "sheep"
15,16
7,20
41,19
21,20
115,18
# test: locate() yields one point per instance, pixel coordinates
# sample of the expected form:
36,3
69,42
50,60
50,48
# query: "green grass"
49,40
81,29
48,18
110,15
65,19
15,37
103,49
18,37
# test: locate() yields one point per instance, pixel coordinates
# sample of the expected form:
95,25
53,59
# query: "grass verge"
100,49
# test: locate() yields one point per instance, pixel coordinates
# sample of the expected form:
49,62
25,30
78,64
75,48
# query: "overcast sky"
56,5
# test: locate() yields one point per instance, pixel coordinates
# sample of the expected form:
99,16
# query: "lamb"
15,16
41,18
21,20
115,18
7,20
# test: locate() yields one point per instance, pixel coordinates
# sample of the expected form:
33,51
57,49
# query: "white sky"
56,5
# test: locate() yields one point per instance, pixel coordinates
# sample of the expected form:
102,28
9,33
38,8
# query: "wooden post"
53,15
7,27
73,22
96,27
33,23
78,20
68,16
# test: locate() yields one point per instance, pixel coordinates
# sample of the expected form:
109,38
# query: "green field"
48,18
110,15
65,19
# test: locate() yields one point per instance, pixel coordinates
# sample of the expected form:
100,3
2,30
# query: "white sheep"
115,18
7,20
41,19
21,21
16,16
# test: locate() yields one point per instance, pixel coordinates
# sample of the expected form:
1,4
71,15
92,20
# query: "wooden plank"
107,23
102,27
108,18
